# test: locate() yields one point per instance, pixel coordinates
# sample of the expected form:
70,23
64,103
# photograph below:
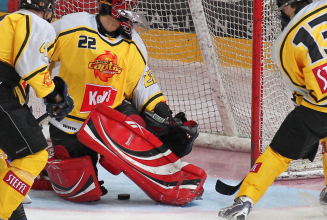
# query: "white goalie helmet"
139,21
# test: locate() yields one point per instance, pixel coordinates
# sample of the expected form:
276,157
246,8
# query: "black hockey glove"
176,133
59,110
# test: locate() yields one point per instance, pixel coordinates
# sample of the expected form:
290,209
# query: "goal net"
201,54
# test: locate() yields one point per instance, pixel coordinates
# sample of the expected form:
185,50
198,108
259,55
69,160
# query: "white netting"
37,106
230,26
233,24
201,54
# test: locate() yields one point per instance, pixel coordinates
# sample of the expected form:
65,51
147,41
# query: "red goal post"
257,69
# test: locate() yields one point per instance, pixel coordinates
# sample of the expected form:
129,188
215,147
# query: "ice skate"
323,200
239,210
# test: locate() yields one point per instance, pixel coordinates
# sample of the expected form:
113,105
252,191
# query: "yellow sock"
264,172
16,181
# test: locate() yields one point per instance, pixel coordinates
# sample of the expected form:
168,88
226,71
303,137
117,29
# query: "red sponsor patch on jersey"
255,168
16,183
105,66
95,94
320,73
324,149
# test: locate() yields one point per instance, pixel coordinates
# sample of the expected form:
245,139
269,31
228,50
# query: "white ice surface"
279,203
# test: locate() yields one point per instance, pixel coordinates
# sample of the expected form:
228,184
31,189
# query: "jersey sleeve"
33,46
146,94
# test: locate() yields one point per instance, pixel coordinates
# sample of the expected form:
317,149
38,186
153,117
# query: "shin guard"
74,179
130,148
266,169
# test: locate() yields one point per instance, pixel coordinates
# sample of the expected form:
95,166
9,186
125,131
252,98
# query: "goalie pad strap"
141,156
80,182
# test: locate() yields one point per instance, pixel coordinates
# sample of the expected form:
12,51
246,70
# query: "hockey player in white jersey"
27,42
300,54
104,62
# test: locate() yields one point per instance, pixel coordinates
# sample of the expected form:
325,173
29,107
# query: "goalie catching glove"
176,133
61,109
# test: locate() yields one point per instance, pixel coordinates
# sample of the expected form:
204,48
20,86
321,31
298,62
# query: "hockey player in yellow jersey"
103,60
27,42
300,54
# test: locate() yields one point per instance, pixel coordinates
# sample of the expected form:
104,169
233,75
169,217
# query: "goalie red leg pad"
74,179
61,153
141,156
110,166
138,119
42,182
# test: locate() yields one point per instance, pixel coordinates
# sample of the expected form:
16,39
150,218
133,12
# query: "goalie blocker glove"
61,109
176,133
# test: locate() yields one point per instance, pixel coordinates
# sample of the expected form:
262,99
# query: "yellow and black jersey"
98,69
301,54
27,43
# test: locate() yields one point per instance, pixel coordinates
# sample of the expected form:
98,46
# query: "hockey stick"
42,117
226,189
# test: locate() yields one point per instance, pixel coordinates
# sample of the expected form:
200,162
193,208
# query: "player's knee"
272,155
42,158
33,163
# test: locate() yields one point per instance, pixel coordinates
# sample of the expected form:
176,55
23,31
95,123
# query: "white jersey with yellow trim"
98,69
300,52
27,43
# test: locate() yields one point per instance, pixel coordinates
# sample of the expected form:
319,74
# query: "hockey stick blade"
226,189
